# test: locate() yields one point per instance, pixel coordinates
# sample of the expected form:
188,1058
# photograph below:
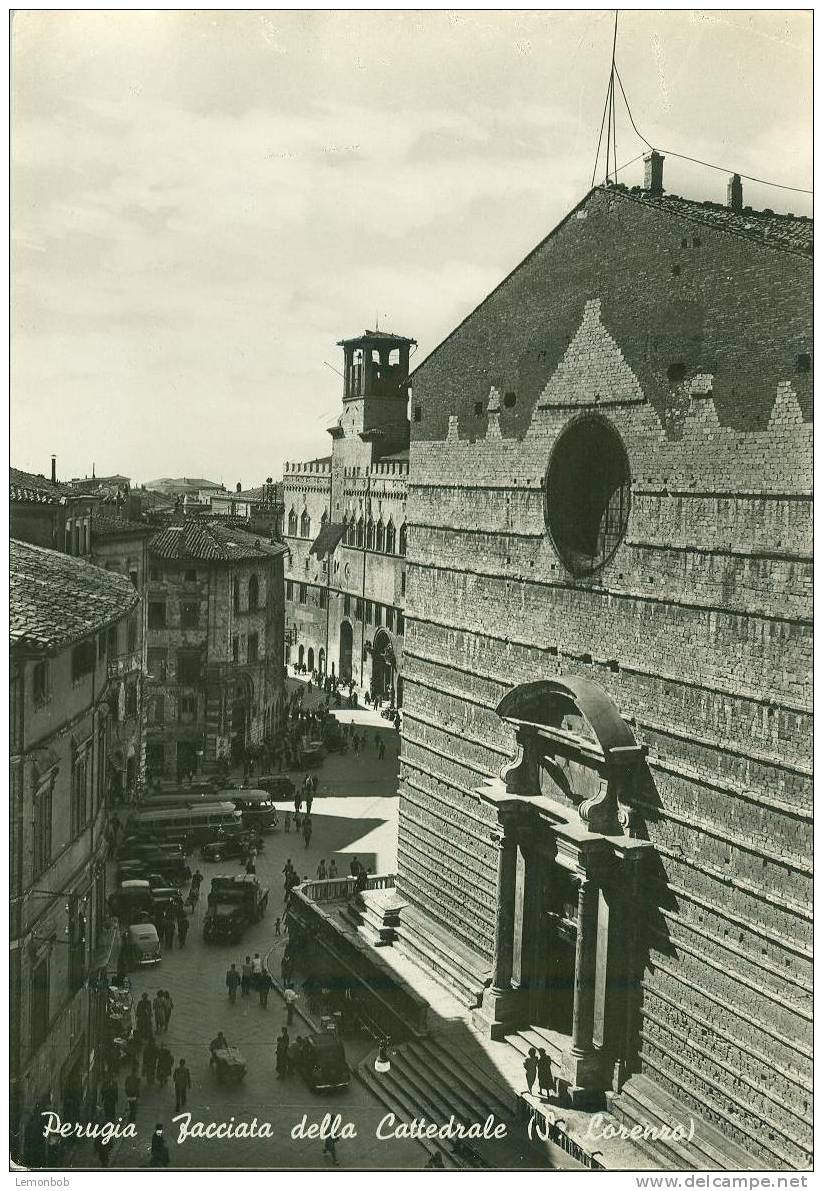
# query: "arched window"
370,534
402,547
305,524
236,595
380,536
360,528
254,593
292,524
391,538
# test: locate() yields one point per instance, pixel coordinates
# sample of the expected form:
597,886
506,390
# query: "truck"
234,903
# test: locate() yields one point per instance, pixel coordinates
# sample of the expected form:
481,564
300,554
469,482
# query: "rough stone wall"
699,628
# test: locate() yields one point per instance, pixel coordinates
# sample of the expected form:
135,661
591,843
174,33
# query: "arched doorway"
300,652
383,666
346,642
310,660
321,661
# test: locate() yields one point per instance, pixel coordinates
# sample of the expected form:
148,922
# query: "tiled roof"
25,487
211,542
387,335
792,233
109,525
55,599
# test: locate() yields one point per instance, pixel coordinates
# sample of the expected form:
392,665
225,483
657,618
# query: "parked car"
142,945
323,1063
131,902
231,843
278,785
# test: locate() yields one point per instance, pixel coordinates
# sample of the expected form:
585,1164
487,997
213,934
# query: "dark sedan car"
231,844
323,1063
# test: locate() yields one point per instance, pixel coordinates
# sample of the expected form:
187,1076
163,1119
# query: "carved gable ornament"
593,370
574,747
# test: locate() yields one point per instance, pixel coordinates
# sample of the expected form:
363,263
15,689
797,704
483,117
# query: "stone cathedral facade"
606,786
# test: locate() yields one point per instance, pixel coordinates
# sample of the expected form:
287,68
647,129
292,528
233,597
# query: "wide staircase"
431,1077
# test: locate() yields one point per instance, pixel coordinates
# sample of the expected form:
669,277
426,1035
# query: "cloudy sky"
204,203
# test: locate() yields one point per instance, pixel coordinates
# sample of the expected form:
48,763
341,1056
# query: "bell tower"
376,389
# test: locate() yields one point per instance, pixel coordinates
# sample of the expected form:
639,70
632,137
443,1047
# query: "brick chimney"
734,193
54,469
653,174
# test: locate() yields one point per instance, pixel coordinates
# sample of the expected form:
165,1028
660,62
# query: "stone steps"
449,963
539,1036
430,1078
642,1102
391,1092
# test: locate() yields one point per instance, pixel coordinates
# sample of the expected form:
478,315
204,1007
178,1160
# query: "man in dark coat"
545,1077
144,1016
159,1148
182,1083
182,927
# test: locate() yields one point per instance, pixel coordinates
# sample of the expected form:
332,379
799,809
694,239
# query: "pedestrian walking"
132,1089
264,987
182,1083
149,1062
109,1095
354,867
290,997
545,1076
530,1065
321,870
159,1010
143,1016
168,932
256,966
166,1006
182,928
245,976
281,1054
277,928
307,830
102,1146
250,867
232,982
332,869
330,1149
159,1148
165,1063
309,801
298,801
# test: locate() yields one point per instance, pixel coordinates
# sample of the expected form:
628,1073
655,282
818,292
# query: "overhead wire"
610,115
696,160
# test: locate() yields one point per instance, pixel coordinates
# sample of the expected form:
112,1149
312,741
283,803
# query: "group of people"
253,976
538,1066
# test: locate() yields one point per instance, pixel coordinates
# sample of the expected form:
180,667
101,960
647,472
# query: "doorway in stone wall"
310,660
321,661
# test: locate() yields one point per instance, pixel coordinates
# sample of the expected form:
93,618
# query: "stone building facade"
345,527
606,762
48,513
214,645
119,544
62,610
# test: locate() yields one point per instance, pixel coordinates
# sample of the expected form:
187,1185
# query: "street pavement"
354,813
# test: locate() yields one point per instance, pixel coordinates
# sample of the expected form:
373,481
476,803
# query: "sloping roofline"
693,212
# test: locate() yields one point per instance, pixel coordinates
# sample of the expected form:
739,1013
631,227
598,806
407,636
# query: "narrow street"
354,813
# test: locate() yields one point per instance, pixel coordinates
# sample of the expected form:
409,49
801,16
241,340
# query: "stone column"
582,1062
504,924
502,1007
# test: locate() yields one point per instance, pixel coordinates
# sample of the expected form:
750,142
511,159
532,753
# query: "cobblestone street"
354,813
